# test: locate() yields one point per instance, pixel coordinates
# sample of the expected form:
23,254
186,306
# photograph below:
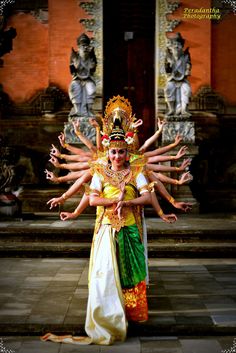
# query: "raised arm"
164,149
83,138
70,148
155,159
55,201
154,137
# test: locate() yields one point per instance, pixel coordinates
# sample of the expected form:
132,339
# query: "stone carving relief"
185,129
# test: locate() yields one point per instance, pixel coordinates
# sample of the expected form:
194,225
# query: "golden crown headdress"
118,106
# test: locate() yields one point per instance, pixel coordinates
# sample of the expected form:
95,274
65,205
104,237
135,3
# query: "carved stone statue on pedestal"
177,94
178,67
82,89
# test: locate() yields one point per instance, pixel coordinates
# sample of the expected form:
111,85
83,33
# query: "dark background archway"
129,42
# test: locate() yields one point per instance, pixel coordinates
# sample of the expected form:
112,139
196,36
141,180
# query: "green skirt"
131,257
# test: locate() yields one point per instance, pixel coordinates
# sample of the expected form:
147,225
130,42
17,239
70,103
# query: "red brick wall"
223,58
64,28
41,52
212,49
25,68
197,35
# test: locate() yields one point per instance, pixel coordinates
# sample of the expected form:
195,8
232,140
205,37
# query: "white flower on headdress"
105,140
129,138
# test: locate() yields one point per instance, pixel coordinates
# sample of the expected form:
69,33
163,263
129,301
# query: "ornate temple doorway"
129,56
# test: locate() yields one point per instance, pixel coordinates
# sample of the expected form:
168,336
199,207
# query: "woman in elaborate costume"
118,261
117,270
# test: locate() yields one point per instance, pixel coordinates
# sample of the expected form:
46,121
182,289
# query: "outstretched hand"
185,164
182,151
55,152
62,139
50,175
76,125
67,215
160,124
54,161
55,201
184,206
169,218
178,139
137,123
93,122
185,178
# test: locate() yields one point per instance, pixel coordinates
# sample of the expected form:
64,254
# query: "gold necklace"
117,177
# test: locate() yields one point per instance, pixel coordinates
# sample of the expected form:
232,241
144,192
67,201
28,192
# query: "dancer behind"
117,271
84,176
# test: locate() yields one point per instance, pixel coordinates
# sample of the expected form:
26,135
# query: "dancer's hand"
184,206
62,140
54,161
55,201
55,152
185,164
137,123
182,151
160,124
51,176
76,125
93,122
67,215
169,218
185,178
178,139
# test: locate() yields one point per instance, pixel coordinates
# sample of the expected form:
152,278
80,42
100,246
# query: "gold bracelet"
171,200
65,145
176,181
78,133
177,169
64,196
160,213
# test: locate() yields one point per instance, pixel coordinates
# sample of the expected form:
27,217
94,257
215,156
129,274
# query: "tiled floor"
161,344
192,306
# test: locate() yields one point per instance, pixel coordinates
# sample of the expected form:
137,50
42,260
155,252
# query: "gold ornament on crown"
120,108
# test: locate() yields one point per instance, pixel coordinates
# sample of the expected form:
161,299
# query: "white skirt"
105,320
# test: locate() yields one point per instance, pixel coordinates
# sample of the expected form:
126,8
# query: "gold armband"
160,213
62,156
171,200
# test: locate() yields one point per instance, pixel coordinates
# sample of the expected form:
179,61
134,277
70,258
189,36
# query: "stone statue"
178,67
82,89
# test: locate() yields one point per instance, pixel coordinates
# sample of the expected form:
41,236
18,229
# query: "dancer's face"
117,157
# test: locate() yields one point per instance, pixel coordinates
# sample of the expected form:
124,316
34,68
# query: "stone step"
38,235
82,249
